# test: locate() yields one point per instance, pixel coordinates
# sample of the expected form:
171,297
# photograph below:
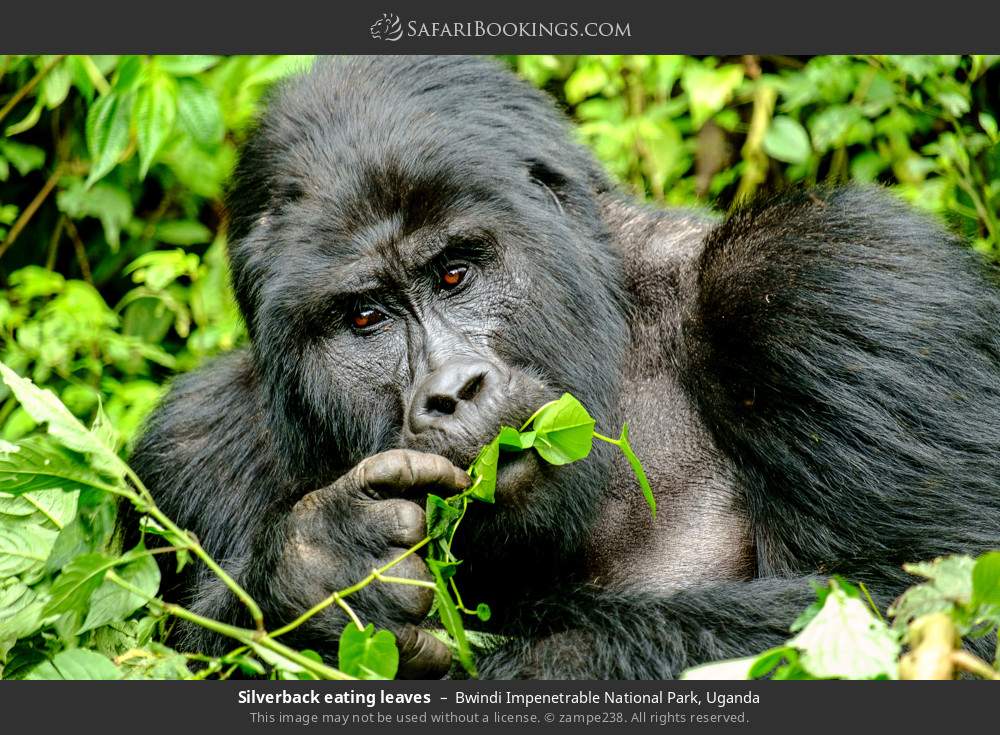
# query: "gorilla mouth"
517,473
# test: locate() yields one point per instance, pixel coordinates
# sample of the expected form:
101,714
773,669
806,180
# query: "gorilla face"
405,286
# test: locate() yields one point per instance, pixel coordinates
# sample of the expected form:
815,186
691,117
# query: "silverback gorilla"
421,254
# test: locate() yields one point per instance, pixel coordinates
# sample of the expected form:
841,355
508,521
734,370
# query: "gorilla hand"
337,535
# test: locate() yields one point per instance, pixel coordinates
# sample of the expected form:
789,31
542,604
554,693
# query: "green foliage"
111,176
366,654
843,636
685,130
113,243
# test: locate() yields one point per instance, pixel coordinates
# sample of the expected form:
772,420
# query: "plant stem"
534,416
338,596
30,210
974,665
195,547
30,85
251,638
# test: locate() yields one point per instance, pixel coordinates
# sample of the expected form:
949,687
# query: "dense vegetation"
112,256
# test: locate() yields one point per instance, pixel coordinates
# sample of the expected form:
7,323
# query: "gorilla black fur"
813,384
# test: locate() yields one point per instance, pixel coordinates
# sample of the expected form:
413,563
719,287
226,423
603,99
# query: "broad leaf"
986,579
36,463
155,112
112,602
846,641
76,664
441,516
80,578
198,113
367,654
24,549
564,431
44,407
786,140
107,131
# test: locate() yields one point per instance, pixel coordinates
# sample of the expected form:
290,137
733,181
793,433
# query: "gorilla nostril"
441,405
471,387
438,401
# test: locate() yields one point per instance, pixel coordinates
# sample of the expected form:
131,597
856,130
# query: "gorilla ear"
553,182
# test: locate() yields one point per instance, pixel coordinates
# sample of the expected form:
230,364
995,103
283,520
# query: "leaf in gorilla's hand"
514,440
366,654
441,515
564,431
450,617
484,472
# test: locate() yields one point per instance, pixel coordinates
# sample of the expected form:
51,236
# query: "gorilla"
421,254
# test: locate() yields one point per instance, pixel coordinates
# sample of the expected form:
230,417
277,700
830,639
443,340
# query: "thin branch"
81,251
30,210
30,85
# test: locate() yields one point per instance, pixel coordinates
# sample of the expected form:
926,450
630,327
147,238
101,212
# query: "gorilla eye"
365,317
452,276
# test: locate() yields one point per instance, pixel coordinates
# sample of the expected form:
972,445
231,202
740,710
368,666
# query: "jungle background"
113,235
112,170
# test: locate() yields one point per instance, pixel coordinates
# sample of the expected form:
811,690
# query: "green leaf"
37,463
107,131
52,508
766,662
27,122
484,471
709,89
198,113
986,579
25,158
44,407
832,127
483,612
20,612
79,579
185,65
111,602
367,654
846,641
182,232
24,549
33,281
640,473
76,664
786,140
950,575
564,431
108,203
441,516
450,617
512,439
155,112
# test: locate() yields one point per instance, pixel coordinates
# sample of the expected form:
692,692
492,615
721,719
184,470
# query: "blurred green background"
112,234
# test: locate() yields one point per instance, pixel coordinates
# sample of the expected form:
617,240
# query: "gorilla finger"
399,521
421,655
412,601
406,470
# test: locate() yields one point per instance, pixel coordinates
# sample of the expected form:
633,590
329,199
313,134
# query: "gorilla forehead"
352,119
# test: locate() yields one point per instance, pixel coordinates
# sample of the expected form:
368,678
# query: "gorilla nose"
449,389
